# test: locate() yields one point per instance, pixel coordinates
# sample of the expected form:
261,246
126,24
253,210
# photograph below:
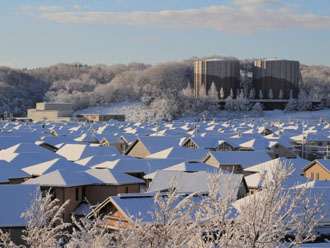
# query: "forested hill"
160,86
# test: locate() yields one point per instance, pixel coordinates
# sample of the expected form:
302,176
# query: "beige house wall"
139,150
210,160
315,170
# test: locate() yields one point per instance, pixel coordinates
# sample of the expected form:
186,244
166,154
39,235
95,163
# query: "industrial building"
102,117
276,75
224,73
51,112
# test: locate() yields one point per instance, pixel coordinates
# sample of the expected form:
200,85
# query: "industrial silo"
224,73
277,75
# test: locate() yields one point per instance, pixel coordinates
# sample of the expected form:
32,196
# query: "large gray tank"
276,74
224,73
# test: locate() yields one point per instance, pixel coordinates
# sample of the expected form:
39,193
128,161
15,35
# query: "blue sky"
38,33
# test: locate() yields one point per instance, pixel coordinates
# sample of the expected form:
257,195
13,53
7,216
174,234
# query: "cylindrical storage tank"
277,75
224,73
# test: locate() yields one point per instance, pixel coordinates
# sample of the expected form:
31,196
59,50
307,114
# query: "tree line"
163,87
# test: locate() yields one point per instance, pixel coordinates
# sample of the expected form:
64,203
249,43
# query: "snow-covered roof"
267,168
192,182
245,159
74,152
65,178
15,199
188,167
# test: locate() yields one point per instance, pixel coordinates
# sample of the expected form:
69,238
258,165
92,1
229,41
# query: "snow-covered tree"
241,102
257,107
268,217
89,233
188,91
229,103
280,94
291,105
252,94
291,94
264,219
270,94
303,101
222,94
5,240
231,94
172,224
213,94
44,222
261,96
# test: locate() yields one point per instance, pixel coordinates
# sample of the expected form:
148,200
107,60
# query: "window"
312,175
77,194
317,176
126,189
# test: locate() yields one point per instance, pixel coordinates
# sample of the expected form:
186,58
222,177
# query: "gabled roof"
245,159
193,182
187,167
255,180
207,142
155,143
74,152
325,163
99,161
145,166
65,178
51,165
108,176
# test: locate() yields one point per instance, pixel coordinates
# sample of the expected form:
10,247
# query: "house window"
317,176
312,175
126,189
77,194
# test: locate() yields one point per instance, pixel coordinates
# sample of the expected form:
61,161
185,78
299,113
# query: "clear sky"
38,33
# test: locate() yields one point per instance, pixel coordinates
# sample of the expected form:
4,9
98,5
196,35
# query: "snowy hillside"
137,112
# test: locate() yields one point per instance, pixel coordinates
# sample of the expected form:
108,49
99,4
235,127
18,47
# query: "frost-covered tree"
229,103
252,94
261,96
172,224
188,91
257,107
280,94
202,93
222,94
303,101
44,222
268,217
241,102
291,94
264,219
270,94
5,240
213,94
231,94
89,233
291,105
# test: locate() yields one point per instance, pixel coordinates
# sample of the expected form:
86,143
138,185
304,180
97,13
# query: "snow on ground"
133,111
137,112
